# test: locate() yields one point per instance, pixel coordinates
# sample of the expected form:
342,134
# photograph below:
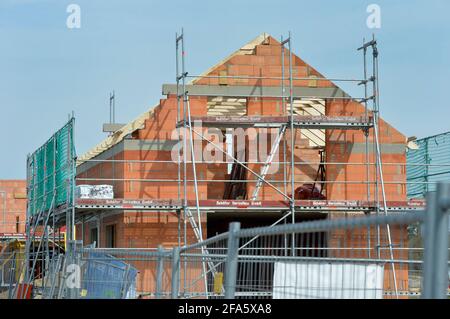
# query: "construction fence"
318,259
428,164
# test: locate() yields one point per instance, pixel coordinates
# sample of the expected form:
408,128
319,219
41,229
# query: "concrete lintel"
255,91
150,145
112,127
360,148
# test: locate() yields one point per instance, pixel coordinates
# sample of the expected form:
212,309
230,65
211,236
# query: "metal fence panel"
106,277
428,165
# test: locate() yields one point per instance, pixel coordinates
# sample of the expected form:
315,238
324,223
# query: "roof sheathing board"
117,137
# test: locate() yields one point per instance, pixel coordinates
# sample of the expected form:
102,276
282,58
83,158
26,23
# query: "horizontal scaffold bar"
300,121
242,205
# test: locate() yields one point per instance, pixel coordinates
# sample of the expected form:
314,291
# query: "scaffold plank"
300,121
237,205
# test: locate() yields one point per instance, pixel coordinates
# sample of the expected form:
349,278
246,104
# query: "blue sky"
48,70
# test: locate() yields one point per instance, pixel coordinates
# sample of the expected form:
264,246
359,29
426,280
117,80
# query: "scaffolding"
292,122
50,206
48,210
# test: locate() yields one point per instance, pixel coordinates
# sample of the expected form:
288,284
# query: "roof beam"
255,91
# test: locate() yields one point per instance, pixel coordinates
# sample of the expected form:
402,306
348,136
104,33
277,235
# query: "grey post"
231,264
175,272
159,272
435,280
71,251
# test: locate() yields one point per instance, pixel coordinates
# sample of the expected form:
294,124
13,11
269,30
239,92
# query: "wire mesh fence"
428,164
202,268
124,273
395,255
352,257
11,273
321,263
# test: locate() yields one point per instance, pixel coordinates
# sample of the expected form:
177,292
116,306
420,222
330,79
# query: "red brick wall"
340,145
266,61
14,207
105,172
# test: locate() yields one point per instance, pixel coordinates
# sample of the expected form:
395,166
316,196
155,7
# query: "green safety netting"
50,172
428,165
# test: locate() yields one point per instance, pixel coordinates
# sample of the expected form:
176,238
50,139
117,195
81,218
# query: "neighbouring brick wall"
13,206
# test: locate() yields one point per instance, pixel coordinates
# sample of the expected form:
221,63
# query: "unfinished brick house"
243,90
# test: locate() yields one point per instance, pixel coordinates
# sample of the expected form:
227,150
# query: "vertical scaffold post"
179,141
182,144
197,226
283,108
291,102
231,265
30,206
366,138
175,272
379,162
54,195
159,272
435,279
177,79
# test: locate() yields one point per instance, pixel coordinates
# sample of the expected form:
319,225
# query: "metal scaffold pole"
291,102
364,82
283,108
183,145
179,148
379,178
187,124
